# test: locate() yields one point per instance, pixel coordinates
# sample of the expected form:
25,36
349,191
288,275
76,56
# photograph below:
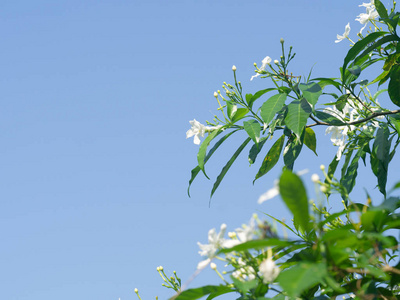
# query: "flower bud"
255,64
276,62
161,268
136,291
323,189
233,68
315,178
215,94
282,40
322,167
213,266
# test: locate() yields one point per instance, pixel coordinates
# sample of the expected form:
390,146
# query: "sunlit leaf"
272,106
311,92
253,129
297,115
310,141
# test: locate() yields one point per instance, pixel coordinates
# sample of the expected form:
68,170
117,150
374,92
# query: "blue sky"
96,98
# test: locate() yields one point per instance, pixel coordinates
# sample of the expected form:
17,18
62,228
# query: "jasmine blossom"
345,34
266,61
269,270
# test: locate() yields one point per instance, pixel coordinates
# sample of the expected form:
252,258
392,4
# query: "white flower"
314,178
266,61
269,270
245,273
345,34
246,232
215,241
198,130
371,14
271,193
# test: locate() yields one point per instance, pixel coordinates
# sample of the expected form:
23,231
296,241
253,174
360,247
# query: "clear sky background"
95,102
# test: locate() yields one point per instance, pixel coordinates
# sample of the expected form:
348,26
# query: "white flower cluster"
268,269
266,61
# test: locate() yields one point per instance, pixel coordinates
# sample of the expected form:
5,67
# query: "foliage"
351,252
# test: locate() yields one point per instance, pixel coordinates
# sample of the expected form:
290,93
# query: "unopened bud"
213,266
161,268
215,94
276,62
315,178
136,290
322,167
231,234
233,68
282,40
323,189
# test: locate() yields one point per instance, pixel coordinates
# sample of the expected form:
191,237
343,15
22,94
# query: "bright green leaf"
311,92
231,109
203,149
253,129
240,114
257,95
294,195
197,293
272,106
297,116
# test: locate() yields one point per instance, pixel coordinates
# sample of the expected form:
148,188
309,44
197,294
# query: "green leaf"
301,277
257,95
311,92
258,244
294,195
365,55
356,71
349,180
255,150
380,156
380,8
196,170
200,292
228,165
253,129
272,106
358,47
310,141
292,151
271,158
244,286
328,118
297,116
240,114
394,85
395,120
203,149
231,109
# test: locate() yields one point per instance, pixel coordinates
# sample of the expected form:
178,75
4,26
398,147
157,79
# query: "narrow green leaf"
394,85
395,120
271,158
328,118
297,116
301,277
258,95
196,170
197,293
294,195
253,129
311,92
203,149
349,180
356,71
292,151
380,8
323,82
258,244
310,141
240,114
358,47
228,165
365,54
272,106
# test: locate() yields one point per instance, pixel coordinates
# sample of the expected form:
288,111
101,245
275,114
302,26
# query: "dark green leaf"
253,129
297,116
311,92
292,151
203,149
301,277
228,165
380,156
380,8
200,292
356,70
310,141
395,120
328,118
349,180
294,195
255,150
196,170
271,158
358,47
332,168
394,85
272,106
